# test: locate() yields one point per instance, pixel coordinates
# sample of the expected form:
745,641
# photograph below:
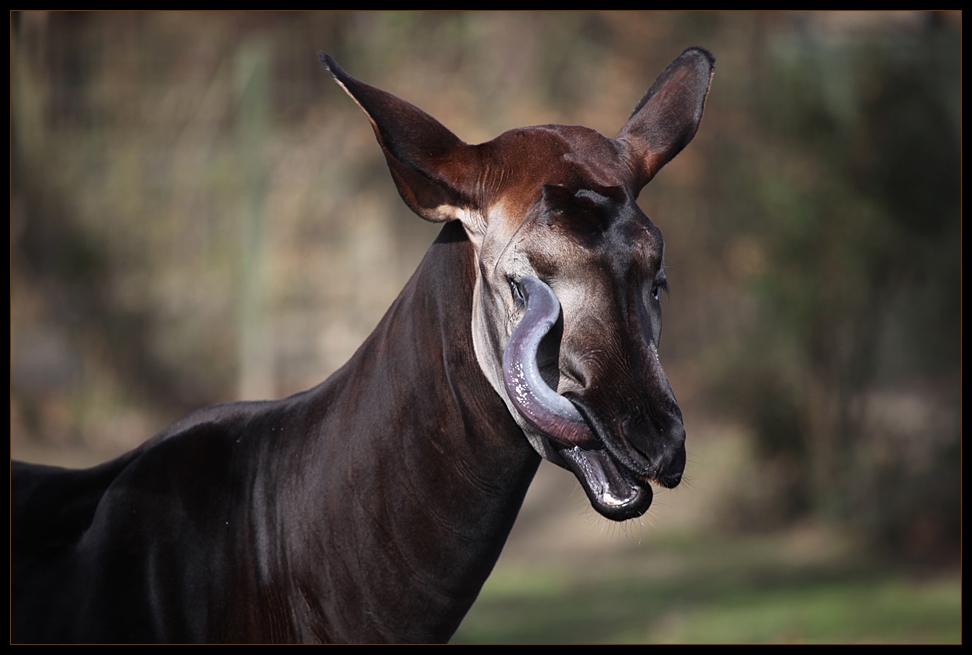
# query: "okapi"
373,507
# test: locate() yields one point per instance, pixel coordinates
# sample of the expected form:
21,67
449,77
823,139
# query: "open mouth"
614,490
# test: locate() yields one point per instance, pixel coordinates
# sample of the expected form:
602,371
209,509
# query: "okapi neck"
437,472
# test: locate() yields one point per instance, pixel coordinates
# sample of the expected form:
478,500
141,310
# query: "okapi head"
566,316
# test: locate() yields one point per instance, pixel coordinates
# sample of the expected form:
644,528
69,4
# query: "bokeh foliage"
852,380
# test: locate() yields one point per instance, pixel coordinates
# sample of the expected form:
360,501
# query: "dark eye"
661,284
517,293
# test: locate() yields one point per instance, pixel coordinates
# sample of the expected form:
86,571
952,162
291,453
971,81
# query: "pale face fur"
577,256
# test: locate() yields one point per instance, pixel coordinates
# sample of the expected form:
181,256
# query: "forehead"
562,196
569,155
610,235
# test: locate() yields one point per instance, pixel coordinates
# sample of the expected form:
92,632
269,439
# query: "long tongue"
544,408
613,491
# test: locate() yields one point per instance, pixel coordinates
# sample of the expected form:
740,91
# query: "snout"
597,431
660,444
651,447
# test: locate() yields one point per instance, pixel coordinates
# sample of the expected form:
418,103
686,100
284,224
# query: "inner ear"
434,170
669,114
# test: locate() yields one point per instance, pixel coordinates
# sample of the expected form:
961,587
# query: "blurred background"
199,214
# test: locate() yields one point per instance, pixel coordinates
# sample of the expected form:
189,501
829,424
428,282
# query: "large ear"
431,166
668,116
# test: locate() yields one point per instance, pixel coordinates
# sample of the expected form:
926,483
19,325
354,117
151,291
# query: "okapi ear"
428,162
668,116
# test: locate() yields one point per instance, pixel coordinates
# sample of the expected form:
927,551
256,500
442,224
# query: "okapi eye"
661,284
517,293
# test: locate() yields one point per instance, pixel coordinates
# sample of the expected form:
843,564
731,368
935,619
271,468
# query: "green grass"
892,611
728,590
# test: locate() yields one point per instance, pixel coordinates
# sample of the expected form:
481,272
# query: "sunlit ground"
729,590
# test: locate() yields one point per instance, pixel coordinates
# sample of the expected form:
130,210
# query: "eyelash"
660,285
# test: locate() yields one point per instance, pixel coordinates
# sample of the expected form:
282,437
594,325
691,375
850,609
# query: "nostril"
670,481
663,451
672,473
639,434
